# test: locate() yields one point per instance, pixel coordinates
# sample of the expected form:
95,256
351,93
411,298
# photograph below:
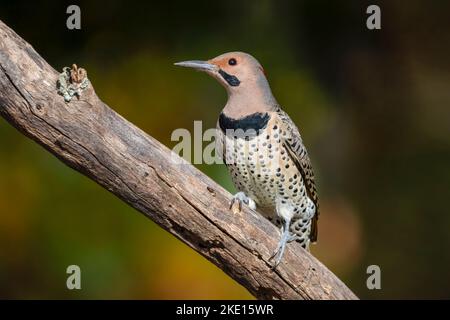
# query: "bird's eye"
232,62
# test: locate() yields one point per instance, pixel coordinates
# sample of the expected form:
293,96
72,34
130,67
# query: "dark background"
373,108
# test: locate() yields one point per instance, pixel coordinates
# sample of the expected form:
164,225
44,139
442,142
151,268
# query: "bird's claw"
277,261
286,237
233,201
240,198
277,255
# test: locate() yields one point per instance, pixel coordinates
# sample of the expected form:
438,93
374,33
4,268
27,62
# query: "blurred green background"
373,108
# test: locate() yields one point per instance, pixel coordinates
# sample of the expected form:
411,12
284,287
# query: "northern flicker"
263,150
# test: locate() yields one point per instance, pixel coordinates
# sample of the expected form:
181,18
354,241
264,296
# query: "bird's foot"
240,198
286,237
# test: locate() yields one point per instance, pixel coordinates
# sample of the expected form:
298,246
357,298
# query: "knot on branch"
72,82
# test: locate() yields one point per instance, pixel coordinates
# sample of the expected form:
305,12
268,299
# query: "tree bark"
91,138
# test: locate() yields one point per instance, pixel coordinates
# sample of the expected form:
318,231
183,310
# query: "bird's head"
236,71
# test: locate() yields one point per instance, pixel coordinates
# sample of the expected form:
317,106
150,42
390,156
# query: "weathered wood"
94,140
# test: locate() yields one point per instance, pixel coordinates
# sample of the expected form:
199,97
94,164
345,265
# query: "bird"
263,150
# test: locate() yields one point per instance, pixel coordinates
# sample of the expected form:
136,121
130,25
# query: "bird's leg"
240,198
286,237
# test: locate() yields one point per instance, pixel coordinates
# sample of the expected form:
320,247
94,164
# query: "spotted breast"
261,157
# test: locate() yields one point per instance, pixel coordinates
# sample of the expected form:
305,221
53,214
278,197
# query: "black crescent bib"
247,127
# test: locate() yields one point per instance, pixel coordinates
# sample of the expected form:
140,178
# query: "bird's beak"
198,65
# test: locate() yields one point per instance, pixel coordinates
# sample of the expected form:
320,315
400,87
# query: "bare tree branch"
94,140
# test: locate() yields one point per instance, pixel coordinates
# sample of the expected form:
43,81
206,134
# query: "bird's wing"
294,145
